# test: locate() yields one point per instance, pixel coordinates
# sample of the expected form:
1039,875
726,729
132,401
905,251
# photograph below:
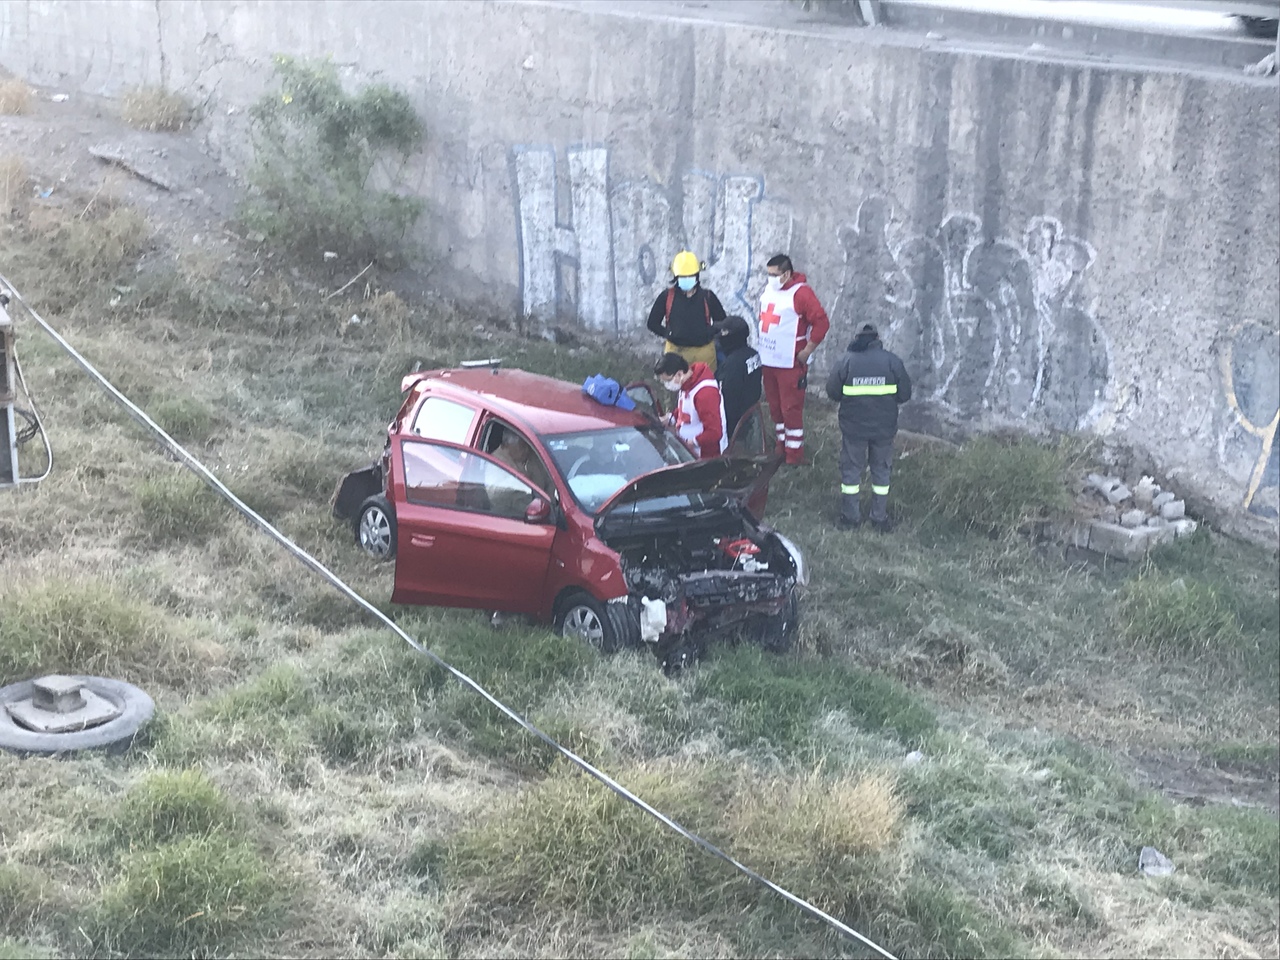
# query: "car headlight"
802,571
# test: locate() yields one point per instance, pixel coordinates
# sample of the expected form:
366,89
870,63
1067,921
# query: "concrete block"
1183,528
1174,510
1119,494
1111,514
1146,491
1161,499
1133,518
1117,541
1157,522
1159,535
1103,485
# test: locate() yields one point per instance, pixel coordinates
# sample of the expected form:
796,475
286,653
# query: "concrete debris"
913,758
1116,520
1154,863
138,168
1133,518
1119,494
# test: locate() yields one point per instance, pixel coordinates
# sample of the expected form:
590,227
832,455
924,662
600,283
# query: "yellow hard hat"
685,264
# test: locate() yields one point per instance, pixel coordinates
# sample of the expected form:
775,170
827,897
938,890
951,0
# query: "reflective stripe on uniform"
796,433
850,488
794,444
879,490
871,390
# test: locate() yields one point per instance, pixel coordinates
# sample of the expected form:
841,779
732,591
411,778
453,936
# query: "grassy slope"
312,788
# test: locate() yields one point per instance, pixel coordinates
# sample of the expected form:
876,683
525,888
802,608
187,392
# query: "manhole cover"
62,714
61,705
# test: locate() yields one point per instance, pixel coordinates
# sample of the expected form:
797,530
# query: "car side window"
441,419
438,476
506,444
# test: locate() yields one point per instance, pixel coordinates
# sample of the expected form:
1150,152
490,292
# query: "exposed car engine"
691,586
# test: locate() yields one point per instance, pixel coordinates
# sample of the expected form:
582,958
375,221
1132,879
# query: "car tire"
375,528
608,627
114,736
777,633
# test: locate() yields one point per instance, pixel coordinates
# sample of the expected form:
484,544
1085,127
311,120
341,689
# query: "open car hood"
735,477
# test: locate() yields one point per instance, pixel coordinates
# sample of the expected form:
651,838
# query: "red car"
508,491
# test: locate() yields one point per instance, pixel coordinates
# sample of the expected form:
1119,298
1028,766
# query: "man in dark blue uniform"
739,370
869,383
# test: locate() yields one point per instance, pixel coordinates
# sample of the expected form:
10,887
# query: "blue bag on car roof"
607,391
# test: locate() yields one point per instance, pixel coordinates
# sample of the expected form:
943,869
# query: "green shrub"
85,628
778,700
195,895
571,843
170,805
177,507
316,150
1179,618
990,485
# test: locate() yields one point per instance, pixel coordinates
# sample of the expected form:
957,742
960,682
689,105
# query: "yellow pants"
704,354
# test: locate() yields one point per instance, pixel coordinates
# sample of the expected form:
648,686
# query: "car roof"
544,404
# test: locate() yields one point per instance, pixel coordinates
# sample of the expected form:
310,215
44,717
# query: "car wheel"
376,528
605,626
778,633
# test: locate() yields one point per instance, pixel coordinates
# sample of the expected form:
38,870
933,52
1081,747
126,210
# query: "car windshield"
596,464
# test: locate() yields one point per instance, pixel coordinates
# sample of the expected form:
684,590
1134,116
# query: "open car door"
749,442
470,533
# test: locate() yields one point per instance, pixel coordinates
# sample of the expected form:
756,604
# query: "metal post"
8,393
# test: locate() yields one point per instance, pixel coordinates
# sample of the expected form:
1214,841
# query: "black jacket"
869,383
741,378
692,319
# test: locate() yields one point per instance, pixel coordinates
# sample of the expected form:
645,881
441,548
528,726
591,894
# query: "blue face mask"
686,283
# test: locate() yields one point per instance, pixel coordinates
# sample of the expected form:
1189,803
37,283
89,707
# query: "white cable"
200,470
35,412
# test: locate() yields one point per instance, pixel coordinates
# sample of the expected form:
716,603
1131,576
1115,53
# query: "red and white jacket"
790,319
699,413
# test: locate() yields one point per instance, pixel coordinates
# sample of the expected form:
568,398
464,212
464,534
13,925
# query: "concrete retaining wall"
1048,245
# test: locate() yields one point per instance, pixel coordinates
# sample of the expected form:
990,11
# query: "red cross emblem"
768,318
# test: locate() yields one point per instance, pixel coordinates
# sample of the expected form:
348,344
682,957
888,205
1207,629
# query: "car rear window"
440,419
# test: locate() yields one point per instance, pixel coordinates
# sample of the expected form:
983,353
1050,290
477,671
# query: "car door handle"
422,540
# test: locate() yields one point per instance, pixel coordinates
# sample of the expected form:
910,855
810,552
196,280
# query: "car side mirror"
538,511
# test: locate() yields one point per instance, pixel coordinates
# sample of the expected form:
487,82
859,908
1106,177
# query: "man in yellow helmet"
686,315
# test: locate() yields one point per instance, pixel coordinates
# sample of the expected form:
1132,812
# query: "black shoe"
845,523
882,526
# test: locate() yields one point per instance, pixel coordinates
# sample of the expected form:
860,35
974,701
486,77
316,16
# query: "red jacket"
813,325
700,413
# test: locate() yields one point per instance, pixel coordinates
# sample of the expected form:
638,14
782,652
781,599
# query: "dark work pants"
856,456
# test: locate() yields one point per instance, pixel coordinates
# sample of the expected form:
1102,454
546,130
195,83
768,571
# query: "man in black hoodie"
869,383
739,371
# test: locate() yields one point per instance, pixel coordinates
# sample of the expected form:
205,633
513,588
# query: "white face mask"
671,385
775,283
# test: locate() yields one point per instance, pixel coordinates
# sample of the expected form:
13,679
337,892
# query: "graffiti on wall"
604,262
991,325
1250,368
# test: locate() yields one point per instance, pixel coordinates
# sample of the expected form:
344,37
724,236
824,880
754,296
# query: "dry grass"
154,108
14,178
15,97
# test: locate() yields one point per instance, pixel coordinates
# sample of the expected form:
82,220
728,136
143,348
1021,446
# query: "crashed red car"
508,491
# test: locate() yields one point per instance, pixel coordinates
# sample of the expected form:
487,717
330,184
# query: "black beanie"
733,334
864,338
